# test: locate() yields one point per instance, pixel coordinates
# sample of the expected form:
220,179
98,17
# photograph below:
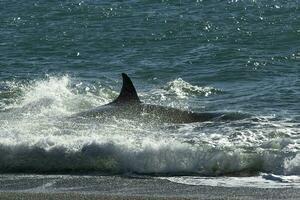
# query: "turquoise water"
60,58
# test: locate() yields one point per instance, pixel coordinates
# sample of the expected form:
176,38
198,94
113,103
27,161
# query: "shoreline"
213,194
75,196
115,187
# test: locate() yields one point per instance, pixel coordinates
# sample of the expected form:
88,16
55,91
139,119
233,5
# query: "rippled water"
57,59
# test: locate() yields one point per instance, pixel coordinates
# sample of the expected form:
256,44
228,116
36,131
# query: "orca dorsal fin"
128,93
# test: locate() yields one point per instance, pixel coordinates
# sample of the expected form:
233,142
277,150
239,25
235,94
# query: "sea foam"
36,135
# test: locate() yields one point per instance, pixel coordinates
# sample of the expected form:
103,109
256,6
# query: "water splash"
35,136
183,89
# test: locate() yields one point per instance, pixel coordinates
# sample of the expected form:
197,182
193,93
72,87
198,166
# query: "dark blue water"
59,58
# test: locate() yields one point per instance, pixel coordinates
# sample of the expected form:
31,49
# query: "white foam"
33,132
272,181
183,89
292,166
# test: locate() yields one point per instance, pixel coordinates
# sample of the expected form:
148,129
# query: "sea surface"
58,58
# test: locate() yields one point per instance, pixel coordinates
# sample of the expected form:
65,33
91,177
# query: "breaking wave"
150,158
36,137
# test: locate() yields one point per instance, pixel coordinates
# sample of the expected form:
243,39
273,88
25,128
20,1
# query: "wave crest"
183,89
162,158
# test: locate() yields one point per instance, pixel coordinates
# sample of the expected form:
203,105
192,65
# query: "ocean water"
236,56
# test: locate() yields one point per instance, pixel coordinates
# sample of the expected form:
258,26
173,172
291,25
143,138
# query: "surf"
36,135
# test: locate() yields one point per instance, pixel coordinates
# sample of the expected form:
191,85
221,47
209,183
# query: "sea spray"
37,136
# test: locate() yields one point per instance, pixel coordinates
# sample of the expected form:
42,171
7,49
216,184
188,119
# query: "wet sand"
115,187
75,196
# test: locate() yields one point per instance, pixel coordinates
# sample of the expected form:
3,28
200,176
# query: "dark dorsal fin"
128,93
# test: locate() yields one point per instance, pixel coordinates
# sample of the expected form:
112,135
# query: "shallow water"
58,59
